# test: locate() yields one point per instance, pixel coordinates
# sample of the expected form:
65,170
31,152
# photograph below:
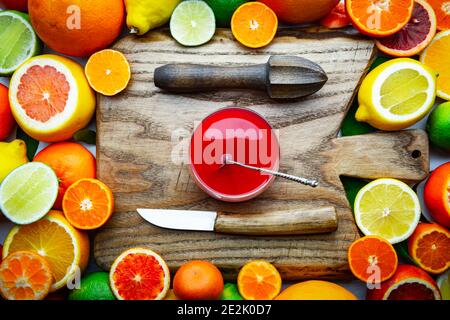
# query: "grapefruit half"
50,98
139,274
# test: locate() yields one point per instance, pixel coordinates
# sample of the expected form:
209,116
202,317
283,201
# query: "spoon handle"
306,182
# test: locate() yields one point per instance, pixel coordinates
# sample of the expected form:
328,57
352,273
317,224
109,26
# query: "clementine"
301,11
77,28
198,280
70,161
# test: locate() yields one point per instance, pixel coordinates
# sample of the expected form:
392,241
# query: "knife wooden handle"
279,223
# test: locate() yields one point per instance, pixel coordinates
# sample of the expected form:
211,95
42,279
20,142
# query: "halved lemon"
51,98
387,208
396,94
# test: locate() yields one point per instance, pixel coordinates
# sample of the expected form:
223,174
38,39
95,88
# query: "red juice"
247,138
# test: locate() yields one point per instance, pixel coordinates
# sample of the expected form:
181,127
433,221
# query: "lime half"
193,23
18,41
443,282
28,193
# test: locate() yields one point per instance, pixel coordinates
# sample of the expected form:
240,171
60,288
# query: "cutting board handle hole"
416,154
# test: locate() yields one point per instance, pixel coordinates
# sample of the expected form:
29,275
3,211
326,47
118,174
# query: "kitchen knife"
279,223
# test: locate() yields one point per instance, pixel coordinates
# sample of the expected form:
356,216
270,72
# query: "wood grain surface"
142,130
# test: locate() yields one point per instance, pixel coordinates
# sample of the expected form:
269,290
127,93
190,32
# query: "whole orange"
198,280
301,11
77,27
316,290
70,161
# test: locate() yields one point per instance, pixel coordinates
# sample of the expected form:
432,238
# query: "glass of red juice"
244,136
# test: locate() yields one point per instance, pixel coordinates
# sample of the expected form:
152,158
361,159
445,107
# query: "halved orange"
254,24
379,18
429,246
442,10
108,72
25,276
139,274
373,259
437,57
259,280
65,248
88,204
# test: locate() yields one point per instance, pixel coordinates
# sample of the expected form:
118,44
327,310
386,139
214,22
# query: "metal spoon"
228,159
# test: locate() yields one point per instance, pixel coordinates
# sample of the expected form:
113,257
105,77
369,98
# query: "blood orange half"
415,36
50,98
139,274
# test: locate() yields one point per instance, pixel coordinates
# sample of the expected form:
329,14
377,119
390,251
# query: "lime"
387,208
193,23
438,126
28,193
18,39
230,292
224,9
94,286
443,282
396,94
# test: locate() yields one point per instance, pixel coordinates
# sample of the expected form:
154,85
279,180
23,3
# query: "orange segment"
25,276
437,57
371,252
108,72
139,274
254,24
65,248
43,92
88,204
442,10
379,18
259,280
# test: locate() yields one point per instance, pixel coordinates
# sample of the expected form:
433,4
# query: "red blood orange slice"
50,98
139,274
429,246
415,36
408,283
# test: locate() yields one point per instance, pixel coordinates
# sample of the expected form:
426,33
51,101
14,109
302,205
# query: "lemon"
28,193
387,208
396,94
12,155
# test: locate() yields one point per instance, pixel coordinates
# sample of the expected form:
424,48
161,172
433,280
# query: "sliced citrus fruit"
192,23
259,280
442,10
379,18
396,94
28,193
414,36
139,274
50,98
437,57
443,282
88,204
254,24
408,283
387,208
372,255
25,276
429,246
22,42
108,72
65,248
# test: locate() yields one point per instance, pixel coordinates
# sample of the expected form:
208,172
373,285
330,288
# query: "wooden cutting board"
140,131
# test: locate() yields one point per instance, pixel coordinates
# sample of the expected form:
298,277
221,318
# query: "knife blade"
278,223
